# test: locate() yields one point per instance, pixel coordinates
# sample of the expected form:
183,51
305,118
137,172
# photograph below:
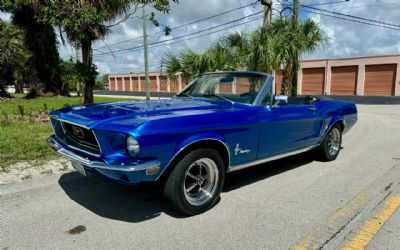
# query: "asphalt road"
291,203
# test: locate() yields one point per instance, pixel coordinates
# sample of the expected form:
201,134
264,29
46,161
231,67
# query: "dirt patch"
29,170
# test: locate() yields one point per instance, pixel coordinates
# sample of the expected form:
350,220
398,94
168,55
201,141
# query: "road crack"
339,231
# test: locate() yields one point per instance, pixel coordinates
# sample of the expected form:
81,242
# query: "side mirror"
280,100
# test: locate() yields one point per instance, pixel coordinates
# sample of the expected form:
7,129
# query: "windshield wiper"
222,98
183,94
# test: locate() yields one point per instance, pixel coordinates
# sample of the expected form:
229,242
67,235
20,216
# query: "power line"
183,25
350,16
352,20
155,45
328,3
175,38
315,4
347,17
209,33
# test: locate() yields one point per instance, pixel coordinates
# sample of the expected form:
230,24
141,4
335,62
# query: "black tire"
328,151
181,180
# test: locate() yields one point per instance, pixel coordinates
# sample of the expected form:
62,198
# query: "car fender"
199,137
331,123
190,141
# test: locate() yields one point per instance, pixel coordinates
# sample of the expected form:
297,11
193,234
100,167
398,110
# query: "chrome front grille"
76,137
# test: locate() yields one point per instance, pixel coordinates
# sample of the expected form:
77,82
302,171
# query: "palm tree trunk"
89,81
19,87
287,81
294,80
295,69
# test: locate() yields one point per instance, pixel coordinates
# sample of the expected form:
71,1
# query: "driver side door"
287,128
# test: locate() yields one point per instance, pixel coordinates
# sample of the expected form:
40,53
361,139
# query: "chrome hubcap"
334,141
201,181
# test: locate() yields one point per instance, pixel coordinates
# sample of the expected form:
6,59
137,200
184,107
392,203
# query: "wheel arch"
340,122
210,142
336,120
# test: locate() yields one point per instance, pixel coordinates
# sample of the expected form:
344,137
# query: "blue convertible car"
219,123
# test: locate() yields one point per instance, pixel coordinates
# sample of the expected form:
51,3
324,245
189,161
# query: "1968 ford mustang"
221,122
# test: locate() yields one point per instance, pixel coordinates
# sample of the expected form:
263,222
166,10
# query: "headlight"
132,146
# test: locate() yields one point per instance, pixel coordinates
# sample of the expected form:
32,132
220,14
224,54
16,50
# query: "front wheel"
331,145
196,182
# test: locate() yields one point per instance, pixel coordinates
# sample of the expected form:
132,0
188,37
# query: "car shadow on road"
144,202
248,176
118,202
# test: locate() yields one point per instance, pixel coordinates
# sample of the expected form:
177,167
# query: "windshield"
230,87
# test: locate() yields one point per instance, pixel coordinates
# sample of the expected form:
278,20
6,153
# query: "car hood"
132,114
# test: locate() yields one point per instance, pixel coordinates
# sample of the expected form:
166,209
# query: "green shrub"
21,110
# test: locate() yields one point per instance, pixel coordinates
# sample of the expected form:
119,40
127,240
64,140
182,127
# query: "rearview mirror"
227,79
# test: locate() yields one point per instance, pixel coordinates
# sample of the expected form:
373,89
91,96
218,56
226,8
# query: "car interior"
294,100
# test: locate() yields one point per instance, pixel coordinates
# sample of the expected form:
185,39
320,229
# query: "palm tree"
265,49
13,54
85,21
41,42
296,39
189,63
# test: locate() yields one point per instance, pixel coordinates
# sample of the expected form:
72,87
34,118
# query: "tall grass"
24,139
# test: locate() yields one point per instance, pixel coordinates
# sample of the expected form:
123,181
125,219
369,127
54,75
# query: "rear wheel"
196,182
331,145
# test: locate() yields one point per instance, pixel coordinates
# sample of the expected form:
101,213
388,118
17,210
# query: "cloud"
186,12
346,39
352,39
103,68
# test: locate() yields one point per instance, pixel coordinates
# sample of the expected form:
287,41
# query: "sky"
346,38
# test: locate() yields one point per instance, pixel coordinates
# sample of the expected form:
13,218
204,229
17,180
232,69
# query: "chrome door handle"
313,109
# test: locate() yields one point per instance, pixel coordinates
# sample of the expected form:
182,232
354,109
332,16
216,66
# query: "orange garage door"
380,79
119,84
163,84
344,80
127,84
153,84
112,83
313,81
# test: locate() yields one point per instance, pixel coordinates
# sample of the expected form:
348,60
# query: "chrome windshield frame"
267,84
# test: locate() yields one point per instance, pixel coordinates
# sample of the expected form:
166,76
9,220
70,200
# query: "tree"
265,49
40,40
100,84
69,74
13,55
236,51
85,21
297,38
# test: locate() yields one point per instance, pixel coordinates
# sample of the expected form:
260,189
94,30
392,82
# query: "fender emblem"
238,150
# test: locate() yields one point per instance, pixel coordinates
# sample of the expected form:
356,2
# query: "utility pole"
296,9
267,21
77,59
267,11
296,66
146,63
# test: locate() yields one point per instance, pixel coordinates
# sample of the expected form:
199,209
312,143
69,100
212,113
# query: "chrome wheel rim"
334,141
201,180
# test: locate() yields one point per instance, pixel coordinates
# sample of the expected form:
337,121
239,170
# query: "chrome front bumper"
150,167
